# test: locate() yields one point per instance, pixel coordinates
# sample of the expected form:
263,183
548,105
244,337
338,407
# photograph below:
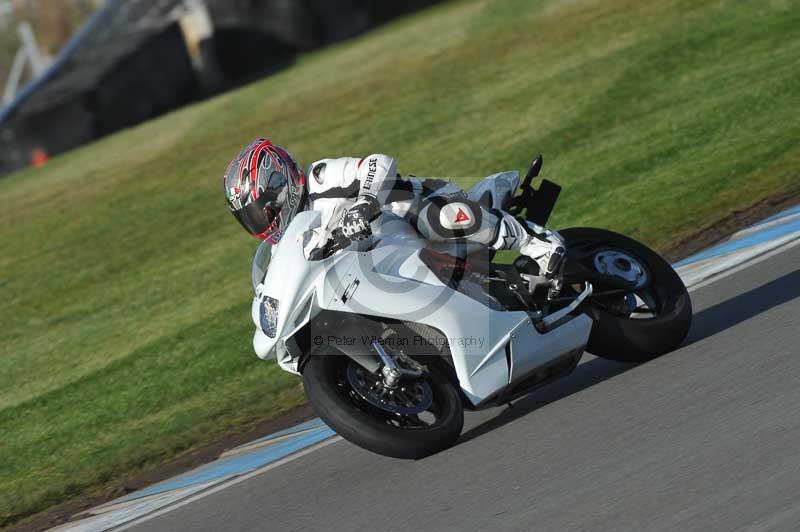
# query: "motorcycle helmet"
265,188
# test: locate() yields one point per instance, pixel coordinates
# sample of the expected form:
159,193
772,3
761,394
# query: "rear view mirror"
534,170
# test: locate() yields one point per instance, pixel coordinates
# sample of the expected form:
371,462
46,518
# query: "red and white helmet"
265,188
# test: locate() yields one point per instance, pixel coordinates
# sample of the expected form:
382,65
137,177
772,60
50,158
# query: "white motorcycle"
395,336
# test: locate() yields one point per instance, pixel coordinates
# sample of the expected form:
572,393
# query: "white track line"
744,265
220,487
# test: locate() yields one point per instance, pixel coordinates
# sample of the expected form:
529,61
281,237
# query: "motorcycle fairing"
479,338
490,349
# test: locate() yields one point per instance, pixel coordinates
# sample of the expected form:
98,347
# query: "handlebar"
337,242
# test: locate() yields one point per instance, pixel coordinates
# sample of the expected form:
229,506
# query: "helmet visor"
263,222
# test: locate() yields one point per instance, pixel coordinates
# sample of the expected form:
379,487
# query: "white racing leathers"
439,210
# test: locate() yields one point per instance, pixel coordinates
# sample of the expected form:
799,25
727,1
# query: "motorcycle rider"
265,188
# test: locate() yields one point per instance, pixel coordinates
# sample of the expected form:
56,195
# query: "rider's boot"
545,247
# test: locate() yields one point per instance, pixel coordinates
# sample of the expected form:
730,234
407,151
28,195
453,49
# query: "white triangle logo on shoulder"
456,216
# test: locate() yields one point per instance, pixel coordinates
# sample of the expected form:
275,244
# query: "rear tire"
357,421
625,339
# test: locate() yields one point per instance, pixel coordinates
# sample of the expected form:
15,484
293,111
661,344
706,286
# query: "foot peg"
557,319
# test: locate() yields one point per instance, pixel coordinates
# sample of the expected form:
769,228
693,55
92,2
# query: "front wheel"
418,418
647,321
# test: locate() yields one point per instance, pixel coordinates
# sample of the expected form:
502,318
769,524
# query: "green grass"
125,283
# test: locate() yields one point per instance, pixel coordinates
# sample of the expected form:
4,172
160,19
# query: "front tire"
623,336
336,401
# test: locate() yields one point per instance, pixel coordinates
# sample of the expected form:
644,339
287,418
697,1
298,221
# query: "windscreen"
261,262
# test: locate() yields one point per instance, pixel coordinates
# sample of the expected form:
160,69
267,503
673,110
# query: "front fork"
394,370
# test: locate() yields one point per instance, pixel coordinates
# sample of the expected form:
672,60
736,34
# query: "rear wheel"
637,325
418,418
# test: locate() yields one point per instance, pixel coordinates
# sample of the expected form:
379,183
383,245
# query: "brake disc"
408,398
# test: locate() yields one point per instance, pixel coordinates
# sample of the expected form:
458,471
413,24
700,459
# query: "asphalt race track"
705,438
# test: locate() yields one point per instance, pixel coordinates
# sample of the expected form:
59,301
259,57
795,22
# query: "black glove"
355,224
